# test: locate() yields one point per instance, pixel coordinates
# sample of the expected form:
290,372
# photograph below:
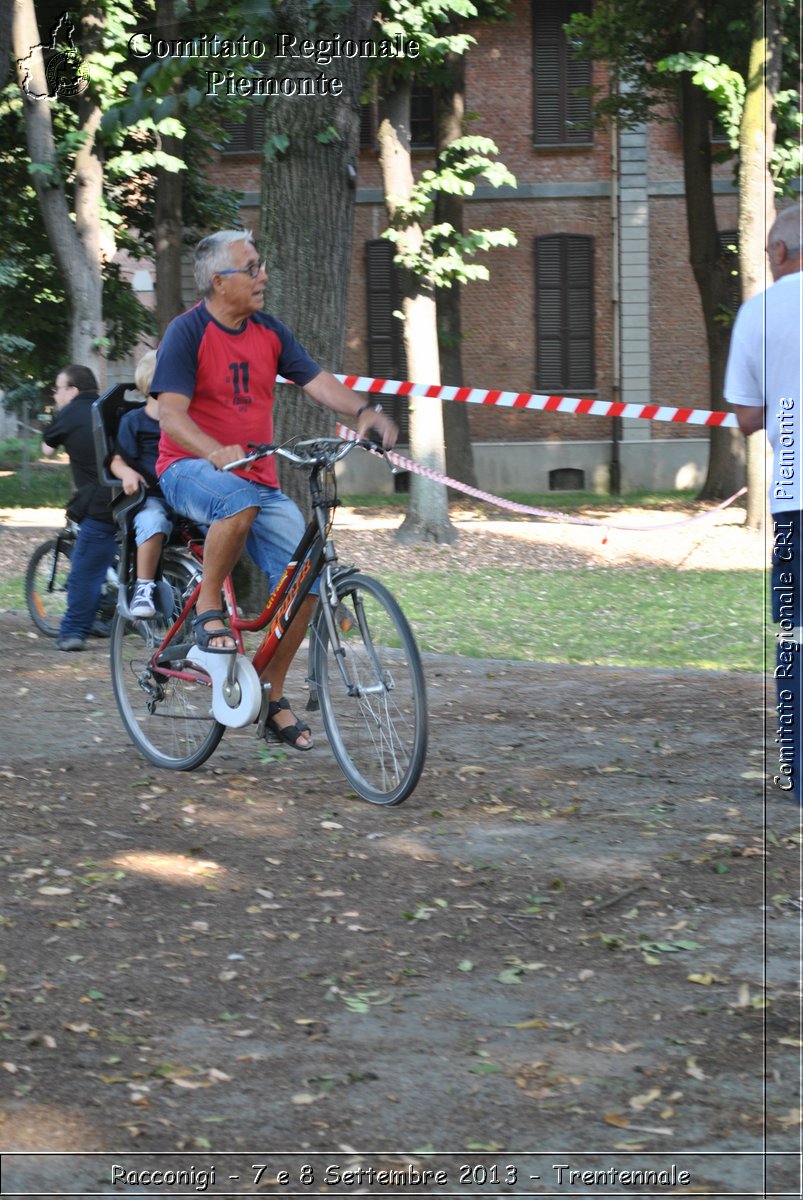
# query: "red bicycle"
364,668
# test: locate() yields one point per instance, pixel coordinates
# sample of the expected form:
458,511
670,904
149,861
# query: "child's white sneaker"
142,603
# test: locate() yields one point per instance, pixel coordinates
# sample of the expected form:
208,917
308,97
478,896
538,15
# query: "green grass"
49,485
704,620
657,617
707,620
559,501
12,593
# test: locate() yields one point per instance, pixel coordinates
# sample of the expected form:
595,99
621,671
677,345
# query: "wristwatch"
374,404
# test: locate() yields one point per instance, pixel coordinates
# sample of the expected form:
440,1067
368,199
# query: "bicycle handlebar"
314,452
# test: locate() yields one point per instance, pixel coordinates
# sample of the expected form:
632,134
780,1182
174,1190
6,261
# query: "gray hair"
786,228
213,254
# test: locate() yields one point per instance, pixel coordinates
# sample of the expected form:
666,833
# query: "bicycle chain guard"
236,689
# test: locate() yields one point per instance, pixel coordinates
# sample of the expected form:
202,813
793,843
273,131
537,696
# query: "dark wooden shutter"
564,289
368,125
246,135
422,117
561,115
729,245
386,356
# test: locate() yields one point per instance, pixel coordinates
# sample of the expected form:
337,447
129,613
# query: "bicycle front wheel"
46,585
169,719
371,691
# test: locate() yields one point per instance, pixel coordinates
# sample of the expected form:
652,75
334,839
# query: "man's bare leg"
276,671
223,546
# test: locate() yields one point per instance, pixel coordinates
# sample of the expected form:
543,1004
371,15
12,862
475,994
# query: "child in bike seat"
134,462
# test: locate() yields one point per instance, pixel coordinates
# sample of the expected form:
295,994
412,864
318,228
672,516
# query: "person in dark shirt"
134,464
96,547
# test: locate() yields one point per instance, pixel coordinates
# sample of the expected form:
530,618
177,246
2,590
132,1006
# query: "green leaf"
510,975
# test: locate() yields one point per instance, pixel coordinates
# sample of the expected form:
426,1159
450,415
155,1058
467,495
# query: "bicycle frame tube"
63,538
288,595
282,606
283,603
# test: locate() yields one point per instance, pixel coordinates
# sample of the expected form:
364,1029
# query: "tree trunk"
726,458
75,243
308,196
168,231
6,19
428,508
450,99
757,204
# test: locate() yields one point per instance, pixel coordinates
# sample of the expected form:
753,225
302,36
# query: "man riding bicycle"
215,373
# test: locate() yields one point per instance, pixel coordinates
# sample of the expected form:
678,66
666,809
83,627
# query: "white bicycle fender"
245,710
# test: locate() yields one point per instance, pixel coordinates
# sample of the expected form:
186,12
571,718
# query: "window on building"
422,120
386,356
564,312
729,244
562,114
368,125
246,134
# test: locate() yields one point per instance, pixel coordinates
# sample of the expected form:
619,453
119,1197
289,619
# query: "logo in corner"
65,75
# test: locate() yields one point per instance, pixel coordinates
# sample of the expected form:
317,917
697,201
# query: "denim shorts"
151,519
196,489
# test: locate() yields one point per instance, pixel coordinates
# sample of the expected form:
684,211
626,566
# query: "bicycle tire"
378,731
46,584
169,720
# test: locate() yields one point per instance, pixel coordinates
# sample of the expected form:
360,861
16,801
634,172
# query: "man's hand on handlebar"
224,455
386,431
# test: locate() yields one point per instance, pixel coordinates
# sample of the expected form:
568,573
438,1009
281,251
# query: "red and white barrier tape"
530,400
407,464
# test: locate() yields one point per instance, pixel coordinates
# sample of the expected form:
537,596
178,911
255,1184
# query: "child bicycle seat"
107,412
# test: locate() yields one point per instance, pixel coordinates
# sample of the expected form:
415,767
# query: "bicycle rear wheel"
46,584
169,719
372,692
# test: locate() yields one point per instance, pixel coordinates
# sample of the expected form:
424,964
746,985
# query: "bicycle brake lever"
240,462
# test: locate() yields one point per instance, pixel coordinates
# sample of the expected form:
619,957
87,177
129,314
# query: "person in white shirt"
763,383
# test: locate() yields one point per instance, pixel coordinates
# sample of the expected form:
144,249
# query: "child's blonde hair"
143,373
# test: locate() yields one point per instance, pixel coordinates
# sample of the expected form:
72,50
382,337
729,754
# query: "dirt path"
558,947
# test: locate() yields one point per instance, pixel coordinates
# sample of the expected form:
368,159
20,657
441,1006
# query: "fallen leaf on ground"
638,1103
694,1070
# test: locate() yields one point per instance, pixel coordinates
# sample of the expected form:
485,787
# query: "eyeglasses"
252,269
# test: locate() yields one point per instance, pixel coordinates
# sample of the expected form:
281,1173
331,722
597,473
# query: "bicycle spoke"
46,585
372,693
168,718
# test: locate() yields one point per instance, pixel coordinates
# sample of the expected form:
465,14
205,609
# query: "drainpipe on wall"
615,469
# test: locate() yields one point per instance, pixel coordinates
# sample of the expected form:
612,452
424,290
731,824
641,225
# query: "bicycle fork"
329,605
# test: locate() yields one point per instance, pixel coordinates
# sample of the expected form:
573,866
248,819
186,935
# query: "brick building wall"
626,194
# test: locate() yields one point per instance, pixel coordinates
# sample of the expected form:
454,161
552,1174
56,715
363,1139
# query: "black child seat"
107,412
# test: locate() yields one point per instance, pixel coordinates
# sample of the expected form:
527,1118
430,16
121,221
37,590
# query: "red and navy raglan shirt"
229,375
